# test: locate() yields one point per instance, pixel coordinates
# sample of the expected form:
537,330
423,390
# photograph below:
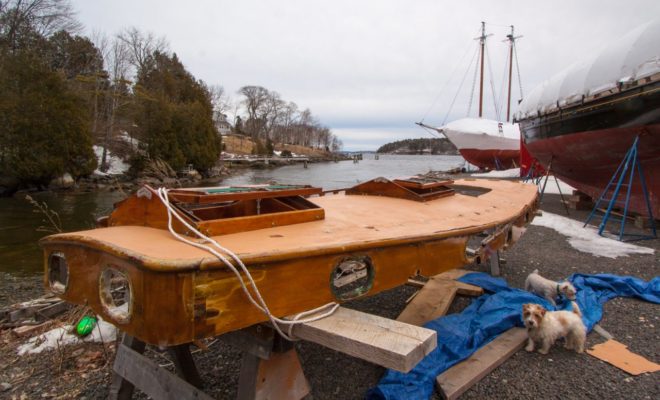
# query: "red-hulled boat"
583,121
486,143
483,142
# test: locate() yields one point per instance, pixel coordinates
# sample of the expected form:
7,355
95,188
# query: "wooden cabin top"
351,223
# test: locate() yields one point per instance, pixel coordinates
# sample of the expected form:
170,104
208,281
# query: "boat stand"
626,170
545,182
133,370
270,366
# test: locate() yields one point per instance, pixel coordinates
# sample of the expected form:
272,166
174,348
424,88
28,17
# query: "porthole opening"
352,277
58,272
115,292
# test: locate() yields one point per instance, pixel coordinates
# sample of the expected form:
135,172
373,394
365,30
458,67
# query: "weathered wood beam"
459,378
391,344
433,301
154,381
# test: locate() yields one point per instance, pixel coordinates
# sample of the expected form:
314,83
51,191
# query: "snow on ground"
507,173
586,239
103,331
123,135
116,166
550,187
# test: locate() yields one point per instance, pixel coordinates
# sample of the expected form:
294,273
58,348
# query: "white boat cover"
634,56
480,126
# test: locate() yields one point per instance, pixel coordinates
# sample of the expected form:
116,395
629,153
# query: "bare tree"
116,59
254,102
141,46
220,101
270,117
101,42
43,17
272,112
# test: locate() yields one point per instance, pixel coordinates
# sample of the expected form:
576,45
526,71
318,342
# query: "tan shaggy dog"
545,327
548,289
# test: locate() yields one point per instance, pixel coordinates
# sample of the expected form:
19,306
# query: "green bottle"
85,325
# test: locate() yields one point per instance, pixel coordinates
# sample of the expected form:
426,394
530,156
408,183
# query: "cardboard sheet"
618,355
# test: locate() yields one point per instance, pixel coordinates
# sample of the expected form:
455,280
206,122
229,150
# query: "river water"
20,222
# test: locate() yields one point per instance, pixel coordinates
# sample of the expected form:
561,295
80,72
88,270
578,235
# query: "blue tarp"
460,335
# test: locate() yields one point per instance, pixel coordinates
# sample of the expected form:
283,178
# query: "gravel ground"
84,371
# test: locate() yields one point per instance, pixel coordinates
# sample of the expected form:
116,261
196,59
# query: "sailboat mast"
512,40
482,42
508,98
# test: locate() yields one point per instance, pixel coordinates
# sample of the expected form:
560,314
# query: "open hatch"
415,188
222,210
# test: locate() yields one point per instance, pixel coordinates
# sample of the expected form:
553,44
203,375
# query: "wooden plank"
433,301
30,330
120,388
453,273
415,283
156,382
494,262
466,289
391,344
459,378
52,310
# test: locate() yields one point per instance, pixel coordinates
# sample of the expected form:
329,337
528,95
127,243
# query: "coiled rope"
256,299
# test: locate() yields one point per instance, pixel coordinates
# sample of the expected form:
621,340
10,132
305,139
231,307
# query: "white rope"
259,302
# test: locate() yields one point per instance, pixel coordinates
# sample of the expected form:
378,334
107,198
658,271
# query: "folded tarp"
460,335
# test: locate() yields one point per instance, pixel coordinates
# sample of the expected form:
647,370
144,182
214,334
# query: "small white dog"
545,327
548,289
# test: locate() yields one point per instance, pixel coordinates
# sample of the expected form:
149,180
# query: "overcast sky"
369,69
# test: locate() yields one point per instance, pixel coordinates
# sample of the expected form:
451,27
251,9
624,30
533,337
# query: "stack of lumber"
31,316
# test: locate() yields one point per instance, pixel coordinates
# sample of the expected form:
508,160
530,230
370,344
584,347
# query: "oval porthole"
58,272
116,295
352,277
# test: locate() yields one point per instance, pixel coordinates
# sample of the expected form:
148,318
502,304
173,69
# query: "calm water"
346,174
19,223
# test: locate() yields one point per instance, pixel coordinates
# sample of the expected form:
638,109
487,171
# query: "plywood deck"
351,223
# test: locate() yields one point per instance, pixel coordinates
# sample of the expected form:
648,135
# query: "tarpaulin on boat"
460,335
632,57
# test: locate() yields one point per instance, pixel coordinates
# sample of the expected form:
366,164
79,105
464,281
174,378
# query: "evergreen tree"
174,114
45,126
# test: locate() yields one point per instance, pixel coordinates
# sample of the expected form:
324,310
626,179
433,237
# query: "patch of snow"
551,186
507,173
586,239
58,337
123,135
277,152
116,166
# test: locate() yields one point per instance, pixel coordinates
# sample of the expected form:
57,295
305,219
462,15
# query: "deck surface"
350,222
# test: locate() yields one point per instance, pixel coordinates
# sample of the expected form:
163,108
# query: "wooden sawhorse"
270,366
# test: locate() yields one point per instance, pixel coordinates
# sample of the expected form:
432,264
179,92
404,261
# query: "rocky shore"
157,173
84,371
